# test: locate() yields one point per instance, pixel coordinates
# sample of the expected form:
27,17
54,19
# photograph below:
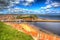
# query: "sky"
30,6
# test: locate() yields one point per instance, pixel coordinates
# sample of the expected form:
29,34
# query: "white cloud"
25,4
13,2
16,1
47,1
20,11
20,2
55,4
49,7
52,5
29,1
46,9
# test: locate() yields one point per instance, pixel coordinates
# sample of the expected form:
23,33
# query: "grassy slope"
8,33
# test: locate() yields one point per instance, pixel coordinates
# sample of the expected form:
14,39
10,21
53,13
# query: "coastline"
35,32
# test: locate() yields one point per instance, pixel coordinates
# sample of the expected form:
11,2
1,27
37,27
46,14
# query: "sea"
53,27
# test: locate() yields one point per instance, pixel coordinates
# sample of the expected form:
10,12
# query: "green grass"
8,33
28,16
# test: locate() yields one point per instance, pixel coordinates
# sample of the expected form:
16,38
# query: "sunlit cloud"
51,7
55,4
29,1
25,3
20,11
48,1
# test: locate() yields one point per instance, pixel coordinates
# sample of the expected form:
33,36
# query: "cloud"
13,2
51,4
47,1
3,4
43,10
49,10
21,2
48,6
20,11
26,4
55,4
29,1
51,7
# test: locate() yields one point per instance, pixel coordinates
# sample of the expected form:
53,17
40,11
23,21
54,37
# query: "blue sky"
32,6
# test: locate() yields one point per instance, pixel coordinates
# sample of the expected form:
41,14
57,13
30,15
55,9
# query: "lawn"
9,33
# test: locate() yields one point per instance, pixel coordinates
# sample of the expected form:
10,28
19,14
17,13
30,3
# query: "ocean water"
50,17
53,27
